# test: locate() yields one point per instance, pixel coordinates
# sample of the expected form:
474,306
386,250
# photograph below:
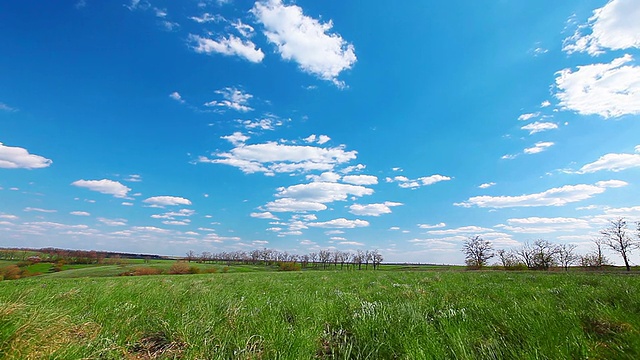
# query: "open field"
324,314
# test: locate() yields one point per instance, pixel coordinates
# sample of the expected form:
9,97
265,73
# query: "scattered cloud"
341,223
5,107
487,185
134,178
271,158
323,192
234,99
19,158
293,205
539,147
536,127
229,46
80,213
264,215
113,222
428,226
612,162
305,40
104,186
545,104
528,116
177,97
405,182
552,197
605,89
373,209
360,179
539,225
614,26
237,138
32,209
206,17
162,201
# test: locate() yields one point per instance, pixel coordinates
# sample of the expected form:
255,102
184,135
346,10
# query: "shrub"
225,269
179,268
211,270
194,270
288,266
11,272
145,270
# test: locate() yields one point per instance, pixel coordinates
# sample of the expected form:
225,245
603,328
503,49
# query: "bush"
11,272
194,270
288,266
211,270
145,270
180,268
225,269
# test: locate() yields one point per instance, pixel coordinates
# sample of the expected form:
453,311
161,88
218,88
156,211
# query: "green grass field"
323,315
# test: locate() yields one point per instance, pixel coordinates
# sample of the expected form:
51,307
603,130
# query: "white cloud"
233,99
113,222
509,156
545,104
536,127
229,46
407,183
341,223
104,186
19,158
487,185
134,178
614,26
351,243
528,116
323,192
8,216
206,17
552,197
612,162
268,123
237,138
428,226
127,204
323,139
360,179
325,177
177,97
162,201
539,147
244,29
538,225
305,40
5,107
30,209
373,209
293,205
80,213
173,214
264,215
271,158
605,89
461,231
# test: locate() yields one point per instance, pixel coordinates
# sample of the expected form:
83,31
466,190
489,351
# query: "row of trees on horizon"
542,254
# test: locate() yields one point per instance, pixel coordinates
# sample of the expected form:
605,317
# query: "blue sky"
163,127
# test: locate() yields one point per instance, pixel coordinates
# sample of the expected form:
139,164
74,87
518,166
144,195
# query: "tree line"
322,258
542,254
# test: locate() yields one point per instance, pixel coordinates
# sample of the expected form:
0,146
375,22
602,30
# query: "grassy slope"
302,315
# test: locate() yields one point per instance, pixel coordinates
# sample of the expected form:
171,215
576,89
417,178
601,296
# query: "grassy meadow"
385,314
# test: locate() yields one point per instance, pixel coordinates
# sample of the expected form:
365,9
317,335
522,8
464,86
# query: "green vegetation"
323,315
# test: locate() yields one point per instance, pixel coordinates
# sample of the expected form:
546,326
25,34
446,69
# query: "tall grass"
325,315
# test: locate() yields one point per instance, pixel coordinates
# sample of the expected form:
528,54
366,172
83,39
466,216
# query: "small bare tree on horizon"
618,238
477,251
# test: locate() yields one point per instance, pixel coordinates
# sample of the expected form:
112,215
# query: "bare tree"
544,254
617,237
567,255
508,259
191,255
477,251
596,258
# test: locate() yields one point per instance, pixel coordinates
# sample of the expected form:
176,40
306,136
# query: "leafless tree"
191,255
567,255
477,251
617,237
507,258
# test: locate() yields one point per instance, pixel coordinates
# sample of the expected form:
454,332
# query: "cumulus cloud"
264,215
405,182
341,223
539,147
293,205
113,222
305,40
229,46
360,179
373,209
612,162
237,138
19,158
323,192
605,89
104,186
162,201
552,197
271,158
177,97
327,176
614,26
487,185
536,127
234,99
